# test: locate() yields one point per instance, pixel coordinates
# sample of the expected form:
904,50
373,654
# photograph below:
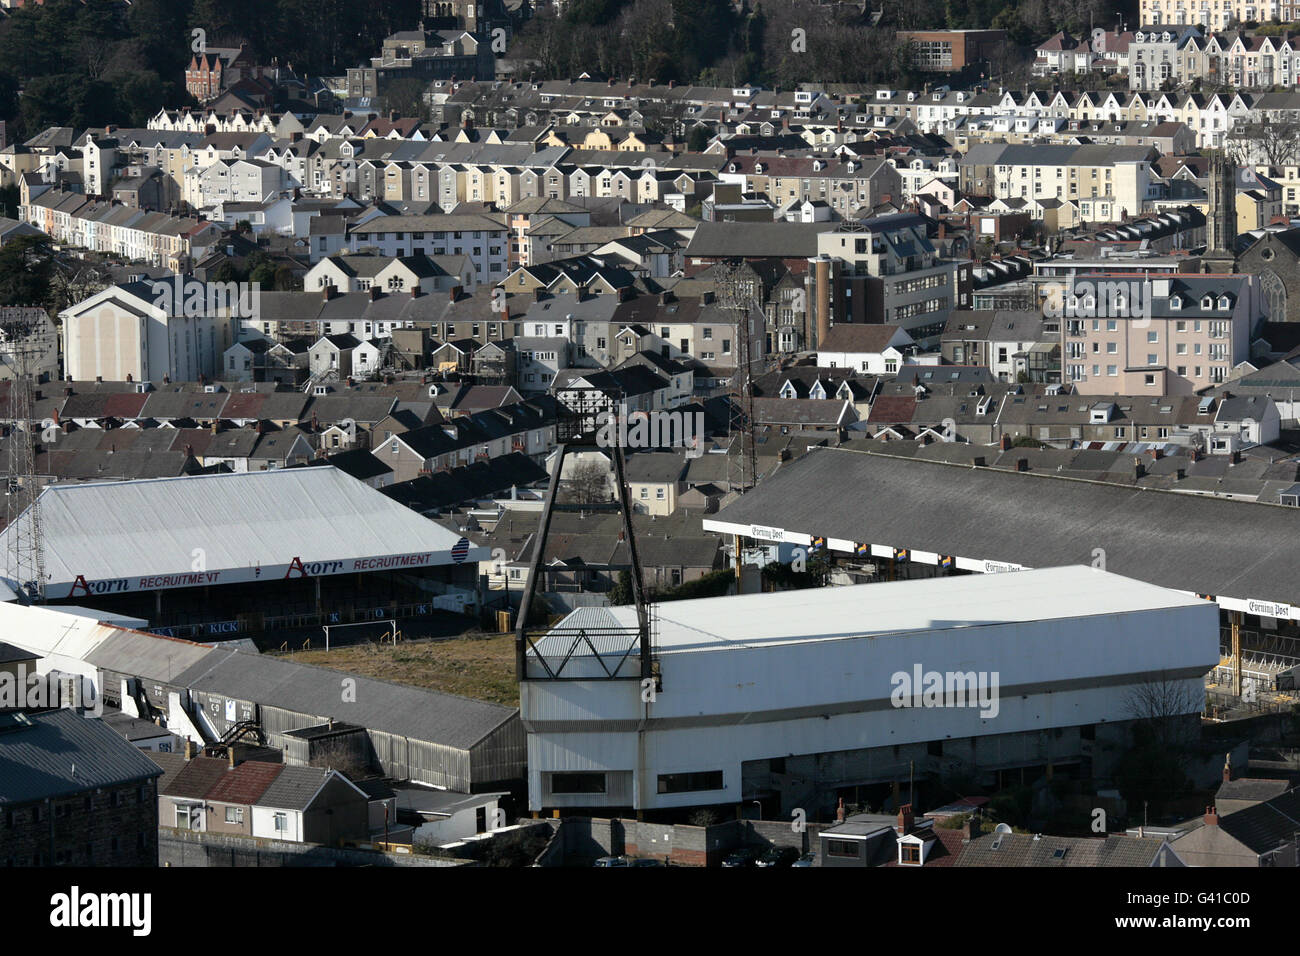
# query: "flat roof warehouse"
1244,554
894,609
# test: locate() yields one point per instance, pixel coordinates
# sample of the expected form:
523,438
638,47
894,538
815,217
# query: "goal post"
391,622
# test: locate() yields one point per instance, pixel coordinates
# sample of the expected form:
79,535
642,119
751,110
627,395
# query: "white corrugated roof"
893,608
228,524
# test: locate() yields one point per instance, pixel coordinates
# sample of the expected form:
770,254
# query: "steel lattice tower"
736,298
24,340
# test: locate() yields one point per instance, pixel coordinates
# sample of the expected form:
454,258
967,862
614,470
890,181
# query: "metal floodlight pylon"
25,339
734,297
580,428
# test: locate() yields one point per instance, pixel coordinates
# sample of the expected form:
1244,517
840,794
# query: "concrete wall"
583,839
182,848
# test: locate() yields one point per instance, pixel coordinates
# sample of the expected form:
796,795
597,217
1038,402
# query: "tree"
698,139
10,196
26,266
1165,712
589,483
1275,144
621,592
406,97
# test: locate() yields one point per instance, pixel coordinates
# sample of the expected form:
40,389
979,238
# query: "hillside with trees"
777,43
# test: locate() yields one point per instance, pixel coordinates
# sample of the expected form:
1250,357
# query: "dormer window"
1175,302
1225,302
1207,302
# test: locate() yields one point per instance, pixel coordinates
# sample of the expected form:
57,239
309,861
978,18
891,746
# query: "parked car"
745,856
612,861
778,856
806,860
645,861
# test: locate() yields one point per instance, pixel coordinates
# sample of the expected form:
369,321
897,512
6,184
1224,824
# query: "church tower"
1221,220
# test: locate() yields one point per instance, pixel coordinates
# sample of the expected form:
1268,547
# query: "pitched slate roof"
196,779
1023,849
1265,826
60,752
294,788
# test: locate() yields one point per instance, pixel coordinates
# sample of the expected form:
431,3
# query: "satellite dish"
1002,828
648,162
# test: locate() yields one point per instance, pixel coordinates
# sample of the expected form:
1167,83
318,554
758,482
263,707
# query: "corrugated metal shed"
61,752
148,656
398,709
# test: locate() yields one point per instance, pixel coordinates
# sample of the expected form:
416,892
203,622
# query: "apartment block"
1172,335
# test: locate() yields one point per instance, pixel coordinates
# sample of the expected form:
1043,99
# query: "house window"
909,853
234,814
281,822
844,849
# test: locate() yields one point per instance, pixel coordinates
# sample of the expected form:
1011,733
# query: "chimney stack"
1139,469
189,749
905,819
1227,768
230,753
1005,443
971,828
374,293
456,290
328,292
1211,817
839,811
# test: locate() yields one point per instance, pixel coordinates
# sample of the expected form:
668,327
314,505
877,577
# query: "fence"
376,614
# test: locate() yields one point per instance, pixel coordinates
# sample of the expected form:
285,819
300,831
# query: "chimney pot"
1211,817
